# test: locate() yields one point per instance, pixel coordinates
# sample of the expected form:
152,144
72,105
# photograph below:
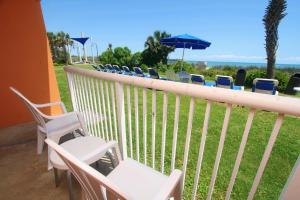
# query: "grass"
285,151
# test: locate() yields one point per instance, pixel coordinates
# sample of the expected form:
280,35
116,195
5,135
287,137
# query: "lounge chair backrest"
94,185
265,86
109,67
224,81
36,113
139,72
240,77
197,79
95,67
101,67
126,69
153,73
116,67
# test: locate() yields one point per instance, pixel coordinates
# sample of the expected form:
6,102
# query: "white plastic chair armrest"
79,116
60,103
103,149
48,117
173,183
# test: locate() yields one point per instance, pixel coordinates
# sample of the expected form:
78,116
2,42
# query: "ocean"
246,64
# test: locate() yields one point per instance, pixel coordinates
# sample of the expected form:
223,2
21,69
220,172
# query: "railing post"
121,118
291,188
71,90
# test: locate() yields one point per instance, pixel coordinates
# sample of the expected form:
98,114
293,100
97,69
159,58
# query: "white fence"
148,119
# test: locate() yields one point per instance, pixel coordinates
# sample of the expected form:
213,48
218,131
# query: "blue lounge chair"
138,72
265,86
110,68
117,69
102,68
224,81
197,79
154,74
227,82
96,67
127,71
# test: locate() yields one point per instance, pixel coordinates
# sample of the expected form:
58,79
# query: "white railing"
117,107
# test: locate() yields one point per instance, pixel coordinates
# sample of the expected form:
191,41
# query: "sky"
234,27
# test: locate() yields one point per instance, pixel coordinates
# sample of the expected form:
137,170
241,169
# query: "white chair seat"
64,124
85,149
139,181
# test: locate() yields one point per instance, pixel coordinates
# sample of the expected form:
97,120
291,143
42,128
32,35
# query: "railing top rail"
280,104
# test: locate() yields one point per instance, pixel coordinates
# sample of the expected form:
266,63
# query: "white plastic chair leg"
70,187
56,177
40,141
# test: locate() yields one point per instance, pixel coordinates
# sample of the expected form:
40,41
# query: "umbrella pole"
182,57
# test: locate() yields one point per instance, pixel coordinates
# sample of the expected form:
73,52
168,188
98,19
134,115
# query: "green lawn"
284,155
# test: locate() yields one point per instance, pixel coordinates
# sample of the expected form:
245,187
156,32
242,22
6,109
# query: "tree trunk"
66,55
271,67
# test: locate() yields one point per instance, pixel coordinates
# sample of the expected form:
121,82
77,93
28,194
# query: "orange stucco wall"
25,60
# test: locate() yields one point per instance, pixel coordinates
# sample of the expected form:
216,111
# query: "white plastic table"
84,148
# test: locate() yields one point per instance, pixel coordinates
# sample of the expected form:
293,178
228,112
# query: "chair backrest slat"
37,115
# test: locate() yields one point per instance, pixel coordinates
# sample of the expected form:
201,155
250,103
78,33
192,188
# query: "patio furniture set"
127,179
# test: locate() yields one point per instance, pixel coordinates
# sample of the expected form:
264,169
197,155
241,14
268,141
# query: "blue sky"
234,27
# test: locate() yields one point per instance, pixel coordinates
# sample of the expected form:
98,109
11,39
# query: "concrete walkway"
24,175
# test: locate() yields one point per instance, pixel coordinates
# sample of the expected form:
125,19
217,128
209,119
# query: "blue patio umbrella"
82,40
185,41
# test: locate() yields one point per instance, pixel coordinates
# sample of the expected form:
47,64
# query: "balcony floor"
24,175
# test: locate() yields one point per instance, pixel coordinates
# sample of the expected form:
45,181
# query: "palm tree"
62,40
52,40
275,12
155,50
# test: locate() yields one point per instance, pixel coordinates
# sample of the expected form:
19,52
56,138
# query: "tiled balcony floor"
24,175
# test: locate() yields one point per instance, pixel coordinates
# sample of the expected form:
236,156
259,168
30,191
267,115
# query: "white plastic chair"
129,180
53,127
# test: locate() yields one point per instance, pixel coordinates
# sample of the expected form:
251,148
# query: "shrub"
162,67
253,74
283,78
187,67
144,68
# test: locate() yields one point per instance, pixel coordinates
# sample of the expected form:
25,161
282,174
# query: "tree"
122,56
52,39
58,45
107,57
155,52
274,13
136,59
